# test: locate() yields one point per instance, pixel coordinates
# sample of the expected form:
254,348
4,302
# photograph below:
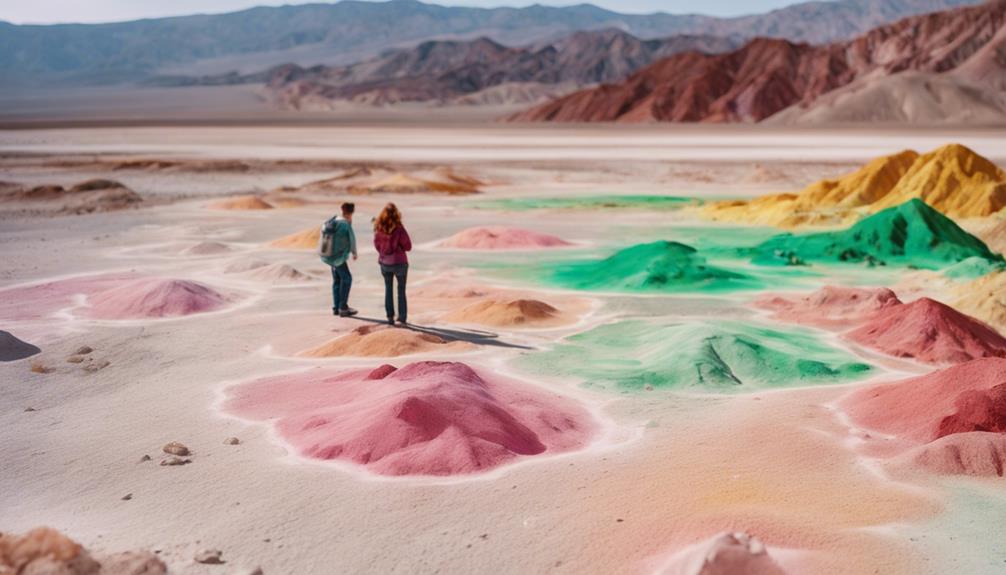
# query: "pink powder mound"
154,297
724,554
501,238
41,300
427,418
929,331
830,306
976,453
963,398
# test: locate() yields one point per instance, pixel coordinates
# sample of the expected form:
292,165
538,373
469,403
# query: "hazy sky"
49,11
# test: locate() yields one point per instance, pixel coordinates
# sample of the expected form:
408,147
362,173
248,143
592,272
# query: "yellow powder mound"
303,240
954,180
828,202
383,341
506,313
242,203
443,182
985,299
286,202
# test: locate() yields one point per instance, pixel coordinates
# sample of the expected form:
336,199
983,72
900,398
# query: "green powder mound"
973,268
658,267
589,202
912,234
726,357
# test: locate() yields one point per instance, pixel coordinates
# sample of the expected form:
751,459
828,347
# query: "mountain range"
349,31
479,71
938,67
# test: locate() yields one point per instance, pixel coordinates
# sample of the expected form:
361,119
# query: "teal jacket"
344,242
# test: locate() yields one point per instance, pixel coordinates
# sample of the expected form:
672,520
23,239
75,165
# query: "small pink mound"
154,297
831,306
724,554
977,453
929,331
41,300
501,238
962,398
427,418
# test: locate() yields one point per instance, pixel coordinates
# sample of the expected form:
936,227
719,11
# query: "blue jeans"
342,281
400,271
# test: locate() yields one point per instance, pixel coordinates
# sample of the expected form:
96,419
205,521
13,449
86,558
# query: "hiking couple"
391,240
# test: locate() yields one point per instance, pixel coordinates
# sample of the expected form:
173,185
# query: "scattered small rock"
255,571
134,562
175,461
176,448
232,441
145,458
27,409
210,557
83,350
127,497
75,359
39,367
97,365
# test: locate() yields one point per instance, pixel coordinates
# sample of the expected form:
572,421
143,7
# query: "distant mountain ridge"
450,71
960,47
348,31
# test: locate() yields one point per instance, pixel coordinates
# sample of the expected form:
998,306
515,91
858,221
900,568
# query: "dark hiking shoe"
348,312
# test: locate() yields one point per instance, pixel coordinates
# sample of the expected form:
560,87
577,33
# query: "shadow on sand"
476,337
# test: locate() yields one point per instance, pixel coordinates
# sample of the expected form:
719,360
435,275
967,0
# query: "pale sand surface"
663,472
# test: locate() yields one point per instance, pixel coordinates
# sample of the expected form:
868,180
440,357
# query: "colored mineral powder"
427,418
721,357
912,234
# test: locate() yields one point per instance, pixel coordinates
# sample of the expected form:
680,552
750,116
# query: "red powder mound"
154,297
427,418
724,554
831,306
501,238
929,331
962,398
41,300
977,453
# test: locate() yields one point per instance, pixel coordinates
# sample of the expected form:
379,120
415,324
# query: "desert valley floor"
602,373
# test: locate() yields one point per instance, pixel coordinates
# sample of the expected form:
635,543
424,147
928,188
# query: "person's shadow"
476,337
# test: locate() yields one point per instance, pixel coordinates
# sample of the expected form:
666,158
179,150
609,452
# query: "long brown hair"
389,220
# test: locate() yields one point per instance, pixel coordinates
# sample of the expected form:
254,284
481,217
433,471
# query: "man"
337,243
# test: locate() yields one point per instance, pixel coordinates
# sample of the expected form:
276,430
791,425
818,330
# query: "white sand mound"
264,271
725,554
206,249
908,97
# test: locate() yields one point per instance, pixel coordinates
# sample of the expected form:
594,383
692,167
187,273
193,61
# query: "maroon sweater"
391,248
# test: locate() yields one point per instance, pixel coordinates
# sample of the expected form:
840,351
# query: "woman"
392,241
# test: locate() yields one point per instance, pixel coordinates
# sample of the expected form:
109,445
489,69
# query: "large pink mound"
154,298
976,453
501,238
41,300
963,398
929,331
831,306
724,554
427,418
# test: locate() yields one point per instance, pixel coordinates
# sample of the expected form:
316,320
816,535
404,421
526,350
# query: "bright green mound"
912,234
658,266
973,268
589,202
726,357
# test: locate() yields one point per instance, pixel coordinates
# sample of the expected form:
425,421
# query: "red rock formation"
767,76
